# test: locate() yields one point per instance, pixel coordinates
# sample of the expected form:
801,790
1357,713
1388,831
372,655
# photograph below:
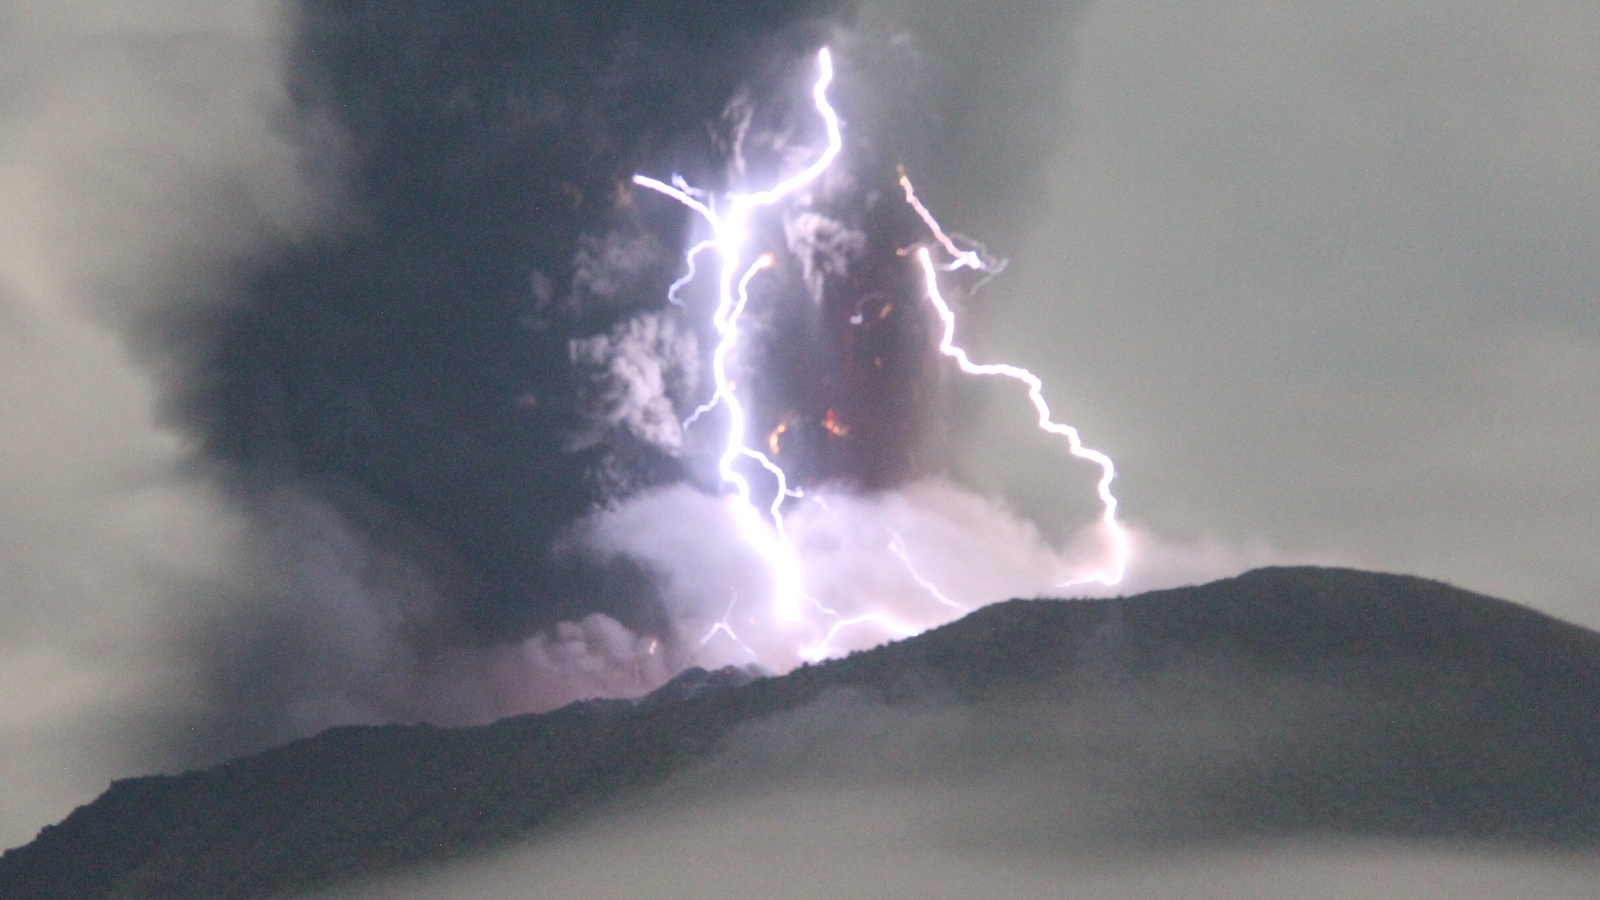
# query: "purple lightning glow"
825,648
729,230
897,546
764,528
723,626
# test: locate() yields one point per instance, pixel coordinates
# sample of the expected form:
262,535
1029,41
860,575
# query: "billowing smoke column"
459,424
817,627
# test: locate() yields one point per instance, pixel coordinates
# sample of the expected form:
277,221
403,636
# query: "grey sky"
1328,277
137,153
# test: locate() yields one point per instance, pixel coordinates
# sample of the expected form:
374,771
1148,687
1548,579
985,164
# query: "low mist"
1103,795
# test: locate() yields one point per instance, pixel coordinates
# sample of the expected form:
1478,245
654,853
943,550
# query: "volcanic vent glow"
814,626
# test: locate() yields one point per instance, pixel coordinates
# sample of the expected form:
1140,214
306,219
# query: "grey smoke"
730,138
637,376
350,622
824,247
612,270
974,548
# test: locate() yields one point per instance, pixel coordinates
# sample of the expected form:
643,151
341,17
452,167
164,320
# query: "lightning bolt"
722,627
730,230
824,648
1116,534
897,546
730,224
978,259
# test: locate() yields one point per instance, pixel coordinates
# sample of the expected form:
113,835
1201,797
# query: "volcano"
1285,703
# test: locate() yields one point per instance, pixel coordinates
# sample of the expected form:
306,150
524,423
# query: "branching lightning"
1120,545
824,648
730,223
723,626
897,546
977,259
730,231
688,275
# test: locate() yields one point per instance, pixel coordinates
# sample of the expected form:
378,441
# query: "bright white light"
1118,565
817,627
729,233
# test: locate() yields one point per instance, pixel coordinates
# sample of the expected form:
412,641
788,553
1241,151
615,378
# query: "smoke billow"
637,376
452,423
411,410
343,383
894,563
824,248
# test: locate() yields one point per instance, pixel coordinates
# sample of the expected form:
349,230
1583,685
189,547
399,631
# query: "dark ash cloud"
423,410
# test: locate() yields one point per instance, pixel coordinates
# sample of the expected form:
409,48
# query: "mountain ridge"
1462,717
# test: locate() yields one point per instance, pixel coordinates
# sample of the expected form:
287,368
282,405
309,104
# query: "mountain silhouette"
1436,714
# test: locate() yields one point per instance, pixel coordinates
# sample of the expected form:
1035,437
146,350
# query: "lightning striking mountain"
731,219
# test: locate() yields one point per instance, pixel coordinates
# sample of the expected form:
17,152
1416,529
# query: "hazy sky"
1322,281
1328,277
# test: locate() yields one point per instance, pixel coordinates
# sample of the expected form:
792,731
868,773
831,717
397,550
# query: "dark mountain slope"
1445,714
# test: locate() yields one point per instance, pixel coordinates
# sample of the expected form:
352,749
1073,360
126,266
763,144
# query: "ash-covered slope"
1438,714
